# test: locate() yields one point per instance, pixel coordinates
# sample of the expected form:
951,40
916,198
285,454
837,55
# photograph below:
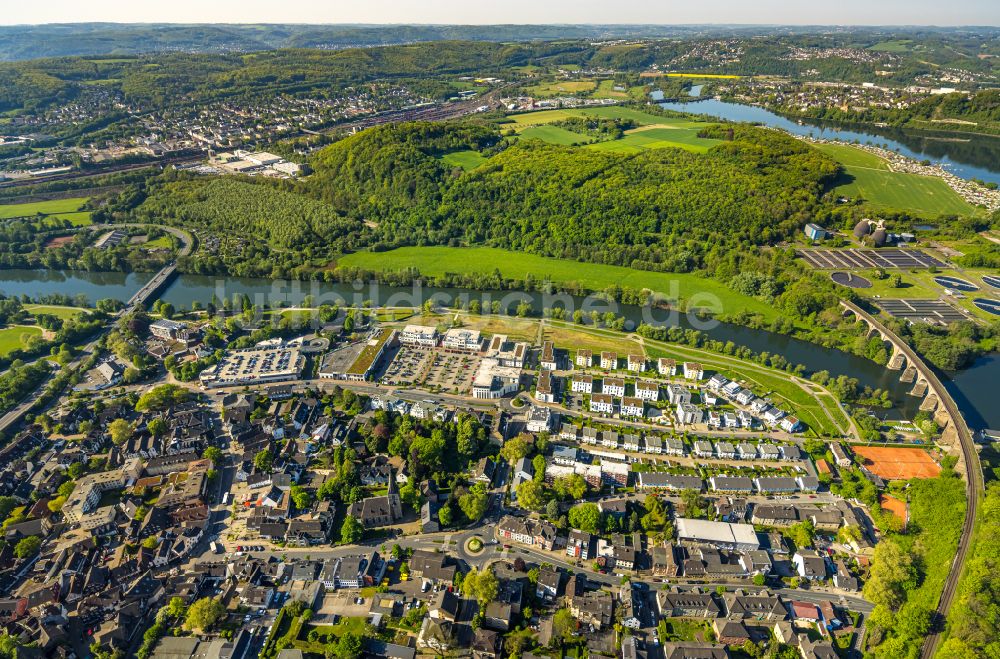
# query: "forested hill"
756,187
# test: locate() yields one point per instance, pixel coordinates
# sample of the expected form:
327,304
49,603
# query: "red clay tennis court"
893,463
893,505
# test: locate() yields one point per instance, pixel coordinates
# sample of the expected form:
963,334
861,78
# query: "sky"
785,12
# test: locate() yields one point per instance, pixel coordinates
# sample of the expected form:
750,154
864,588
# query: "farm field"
436,261
12,338
58,208
62,312
465,159
924,196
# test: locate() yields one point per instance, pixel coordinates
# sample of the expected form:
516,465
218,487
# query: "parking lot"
837,259
452,372
922,310
408,366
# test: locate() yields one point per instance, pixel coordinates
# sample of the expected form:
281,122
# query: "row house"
584,358
666,367
532,532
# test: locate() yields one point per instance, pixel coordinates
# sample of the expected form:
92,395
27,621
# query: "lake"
974,389
965,156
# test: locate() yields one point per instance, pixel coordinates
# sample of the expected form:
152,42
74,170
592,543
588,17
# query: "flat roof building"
255,366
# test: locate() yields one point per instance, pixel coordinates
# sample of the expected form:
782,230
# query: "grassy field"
653,133
465,159
554,135
65,313
561,88
573,340
608,112
924,196
161,242
57,208
436,261
893,46
643,139
12,338
850,156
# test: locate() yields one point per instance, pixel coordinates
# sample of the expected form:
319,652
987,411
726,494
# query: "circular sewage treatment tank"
989,306
992,281
956,283
850,280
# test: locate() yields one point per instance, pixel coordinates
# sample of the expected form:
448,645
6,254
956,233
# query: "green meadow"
436,261
66,313
63,209
924,196
466,160
13,338
554,135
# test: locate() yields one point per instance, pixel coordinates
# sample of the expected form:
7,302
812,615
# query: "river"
974,388
967,156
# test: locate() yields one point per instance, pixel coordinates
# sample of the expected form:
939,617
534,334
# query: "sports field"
898,463
68,209
436,261
893,505
924,196
465,159
12,338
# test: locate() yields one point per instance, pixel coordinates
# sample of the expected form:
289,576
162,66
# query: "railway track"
974,485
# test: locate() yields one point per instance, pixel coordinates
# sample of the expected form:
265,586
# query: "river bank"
973,388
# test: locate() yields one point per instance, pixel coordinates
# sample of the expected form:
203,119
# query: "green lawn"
55,208
850,156
436,261
65,313
12,338
561,88
554,135
465,159
161,242
657,138
608,112
924,196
